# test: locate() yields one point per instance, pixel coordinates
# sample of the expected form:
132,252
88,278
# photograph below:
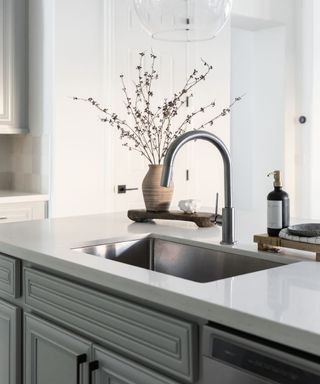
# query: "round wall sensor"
302,119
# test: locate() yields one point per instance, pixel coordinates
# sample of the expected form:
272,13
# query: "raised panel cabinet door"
155,339
111,368
10,342
53,355
10,276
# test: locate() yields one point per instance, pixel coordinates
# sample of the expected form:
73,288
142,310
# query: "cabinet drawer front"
115,369
155,339
13,212
10,276
8,215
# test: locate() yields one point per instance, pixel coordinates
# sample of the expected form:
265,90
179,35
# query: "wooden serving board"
269,243
201,219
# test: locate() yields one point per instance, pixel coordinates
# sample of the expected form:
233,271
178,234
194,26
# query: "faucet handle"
217,204
216,218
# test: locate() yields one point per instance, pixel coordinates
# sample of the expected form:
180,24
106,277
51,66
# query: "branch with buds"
150,130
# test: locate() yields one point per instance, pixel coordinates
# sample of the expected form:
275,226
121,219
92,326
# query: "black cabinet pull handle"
93,366
80,360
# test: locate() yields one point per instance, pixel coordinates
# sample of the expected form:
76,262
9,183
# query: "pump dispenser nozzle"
277,178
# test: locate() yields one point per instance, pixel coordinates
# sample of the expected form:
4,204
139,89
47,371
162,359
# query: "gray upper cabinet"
10,342
13,66
53,355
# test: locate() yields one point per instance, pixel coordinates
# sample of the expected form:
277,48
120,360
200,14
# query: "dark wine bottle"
278,207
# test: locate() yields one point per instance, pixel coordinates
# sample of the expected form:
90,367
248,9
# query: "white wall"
264,62
270,11
78,140
257,128
304,75
316,113
242,120
206,166
314,40
308,99
316,104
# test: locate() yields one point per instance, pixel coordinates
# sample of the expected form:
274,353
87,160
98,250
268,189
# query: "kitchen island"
280,304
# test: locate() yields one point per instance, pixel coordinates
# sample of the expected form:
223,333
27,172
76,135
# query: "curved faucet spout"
228,210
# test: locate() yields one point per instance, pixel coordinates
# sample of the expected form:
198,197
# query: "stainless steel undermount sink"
189,262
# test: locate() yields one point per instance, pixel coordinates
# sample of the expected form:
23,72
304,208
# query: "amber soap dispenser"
278,206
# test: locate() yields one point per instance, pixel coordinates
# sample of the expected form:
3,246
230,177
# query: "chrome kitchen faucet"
228,210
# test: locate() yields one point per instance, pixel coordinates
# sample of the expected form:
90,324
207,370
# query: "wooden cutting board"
201,219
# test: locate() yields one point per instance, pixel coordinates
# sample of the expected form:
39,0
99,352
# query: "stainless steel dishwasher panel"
229,357
215,372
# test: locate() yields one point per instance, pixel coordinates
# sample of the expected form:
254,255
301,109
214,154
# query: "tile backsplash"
5,162
24,163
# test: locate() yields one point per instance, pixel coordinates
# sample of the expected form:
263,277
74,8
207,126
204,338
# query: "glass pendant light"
183,20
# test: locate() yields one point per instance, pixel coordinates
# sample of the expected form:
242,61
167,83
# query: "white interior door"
201,162
128,40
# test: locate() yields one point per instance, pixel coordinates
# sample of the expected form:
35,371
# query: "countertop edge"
280,333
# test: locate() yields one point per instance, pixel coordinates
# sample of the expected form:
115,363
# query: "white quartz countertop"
280,304
10,196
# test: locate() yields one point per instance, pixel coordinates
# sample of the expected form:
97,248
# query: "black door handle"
123,189
93,366
80,360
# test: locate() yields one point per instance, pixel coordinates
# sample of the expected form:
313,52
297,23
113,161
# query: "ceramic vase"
156,198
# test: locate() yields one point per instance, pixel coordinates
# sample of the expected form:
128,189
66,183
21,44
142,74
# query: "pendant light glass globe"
183,20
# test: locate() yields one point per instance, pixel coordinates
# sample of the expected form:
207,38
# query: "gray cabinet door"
111,368
155,339
10,341
53,355
10,275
